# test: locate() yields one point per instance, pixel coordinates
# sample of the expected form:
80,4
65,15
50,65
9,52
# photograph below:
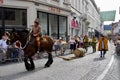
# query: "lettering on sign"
54,10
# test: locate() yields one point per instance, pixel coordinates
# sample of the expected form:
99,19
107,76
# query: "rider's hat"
36,21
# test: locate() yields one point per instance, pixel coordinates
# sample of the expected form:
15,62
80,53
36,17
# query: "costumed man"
103,46
85,42
36,31
94,42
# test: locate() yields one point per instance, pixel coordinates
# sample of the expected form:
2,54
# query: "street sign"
1,1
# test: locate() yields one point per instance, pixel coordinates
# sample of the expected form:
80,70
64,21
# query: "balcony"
66,2
84,17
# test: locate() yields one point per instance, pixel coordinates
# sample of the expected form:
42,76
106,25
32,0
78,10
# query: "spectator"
77,40
3,48
17,50
81,41
72,44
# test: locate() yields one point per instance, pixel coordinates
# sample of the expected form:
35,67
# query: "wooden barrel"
79,52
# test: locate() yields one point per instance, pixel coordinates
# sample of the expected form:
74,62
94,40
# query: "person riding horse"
32,39
36,32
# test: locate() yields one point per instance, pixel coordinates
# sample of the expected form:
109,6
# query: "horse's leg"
27,65
50,60
32,64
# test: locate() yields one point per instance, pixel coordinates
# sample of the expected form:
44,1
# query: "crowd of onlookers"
10,52
82,42
15,51
77,42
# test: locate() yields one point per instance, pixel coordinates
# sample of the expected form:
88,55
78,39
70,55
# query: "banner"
74,23
1,1
108,15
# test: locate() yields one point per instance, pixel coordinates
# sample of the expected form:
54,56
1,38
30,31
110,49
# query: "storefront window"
13,18
0,23
62,27
43,22
0,18
53,26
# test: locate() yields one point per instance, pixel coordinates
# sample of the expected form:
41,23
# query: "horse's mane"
20,35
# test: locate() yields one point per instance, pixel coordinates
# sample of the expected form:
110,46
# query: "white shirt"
71,41
102,45
3,44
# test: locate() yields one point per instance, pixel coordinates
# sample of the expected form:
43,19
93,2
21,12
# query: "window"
13,18
62,27
9,14
43,22
54,25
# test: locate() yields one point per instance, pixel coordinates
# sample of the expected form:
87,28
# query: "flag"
1,1
108,15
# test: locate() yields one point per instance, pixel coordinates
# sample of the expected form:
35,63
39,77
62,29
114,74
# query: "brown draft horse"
30,49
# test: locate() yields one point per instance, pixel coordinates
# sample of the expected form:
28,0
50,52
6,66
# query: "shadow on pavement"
98,59
20,74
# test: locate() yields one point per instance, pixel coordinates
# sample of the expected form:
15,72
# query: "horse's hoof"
46,66
32,68
28,69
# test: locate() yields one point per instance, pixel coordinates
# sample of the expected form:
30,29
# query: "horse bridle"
28,39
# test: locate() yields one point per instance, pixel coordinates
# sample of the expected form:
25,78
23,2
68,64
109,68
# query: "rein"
29,42
28,39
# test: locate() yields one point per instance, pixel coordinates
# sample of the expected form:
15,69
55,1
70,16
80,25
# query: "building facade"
58,18
116,28
88,16
20,14
92,14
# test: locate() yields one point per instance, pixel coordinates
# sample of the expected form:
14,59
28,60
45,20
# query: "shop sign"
1,1
54,10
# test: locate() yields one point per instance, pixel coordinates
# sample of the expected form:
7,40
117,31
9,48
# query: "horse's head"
19,35
14,37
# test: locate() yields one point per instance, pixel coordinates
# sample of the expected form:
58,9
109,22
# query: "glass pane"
53,28
1,23
0,18
62,27
15,18
43,22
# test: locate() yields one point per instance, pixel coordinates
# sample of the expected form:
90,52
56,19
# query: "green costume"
94,42
86,43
